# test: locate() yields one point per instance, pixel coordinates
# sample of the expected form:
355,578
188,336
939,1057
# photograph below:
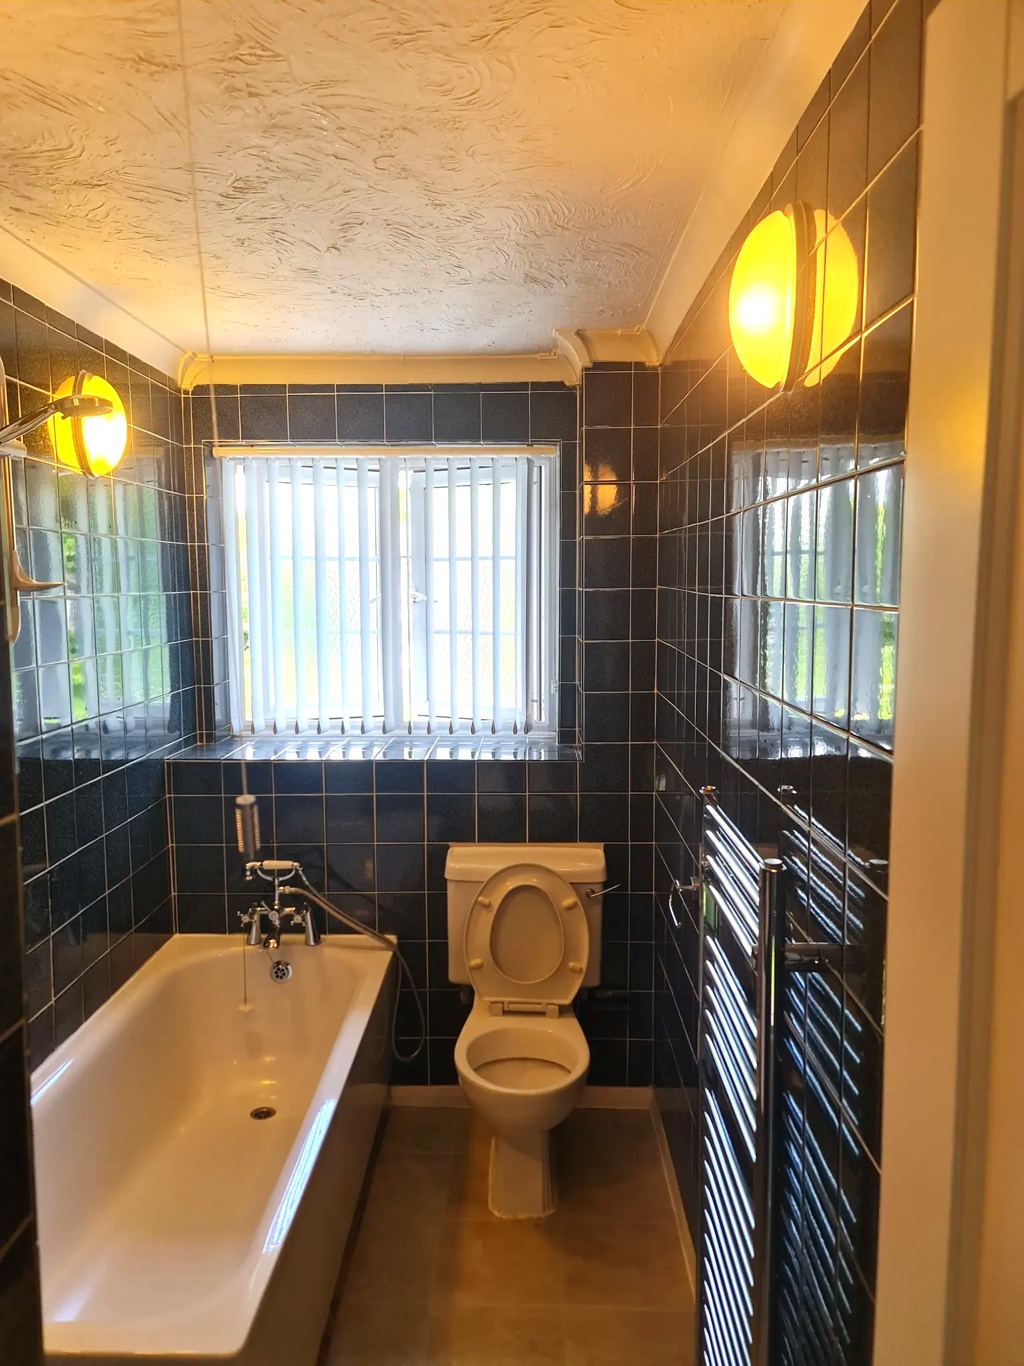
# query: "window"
391,592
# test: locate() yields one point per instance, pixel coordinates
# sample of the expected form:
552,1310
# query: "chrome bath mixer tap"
279,917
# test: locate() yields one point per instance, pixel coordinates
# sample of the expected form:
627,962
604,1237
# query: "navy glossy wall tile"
779,541
103,675
376,833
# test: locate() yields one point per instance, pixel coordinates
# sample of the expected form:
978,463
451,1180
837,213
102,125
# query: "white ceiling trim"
586,346
795,62
59,289
549,367
621,344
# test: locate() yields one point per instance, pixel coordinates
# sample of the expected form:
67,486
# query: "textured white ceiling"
374,176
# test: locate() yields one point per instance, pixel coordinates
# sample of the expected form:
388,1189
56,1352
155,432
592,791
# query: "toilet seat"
527,941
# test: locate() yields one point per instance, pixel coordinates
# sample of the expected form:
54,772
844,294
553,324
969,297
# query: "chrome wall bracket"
13,579
813,957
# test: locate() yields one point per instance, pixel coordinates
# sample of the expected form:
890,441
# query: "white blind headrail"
391,592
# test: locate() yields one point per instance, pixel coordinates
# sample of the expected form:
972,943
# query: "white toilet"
524,930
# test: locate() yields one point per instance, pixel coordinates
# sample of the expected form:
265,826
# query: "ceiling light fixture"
793,297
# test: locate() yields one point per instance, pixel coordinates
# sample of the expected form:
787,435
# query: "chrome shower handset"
247,825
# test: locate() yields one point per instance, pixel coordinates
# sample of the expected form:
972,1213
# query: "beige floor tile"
394,1262
428,1129
629,1337
634,1266
437,1280
600,1183
606,1186
498,1336
629,1134
380,1334
468,1183
408,1187
498,1262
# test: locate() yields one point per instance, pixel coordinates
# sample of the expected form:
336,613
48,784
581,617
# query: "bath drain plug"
263,1112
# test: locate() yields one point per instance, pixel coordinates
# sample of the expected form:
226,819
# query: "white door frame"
988,1267
959,524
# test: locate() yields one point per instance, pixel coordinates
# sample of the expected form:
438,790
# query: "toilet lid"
527,937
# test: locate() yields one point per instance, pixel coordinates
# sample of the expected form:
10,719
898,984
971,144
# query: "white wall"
933,919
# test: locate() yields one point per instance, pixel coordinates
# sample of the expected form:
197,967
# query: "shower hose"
311,894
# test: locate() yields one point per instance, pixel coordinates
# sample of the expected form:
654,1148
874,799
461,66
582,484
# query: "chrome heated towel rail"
742,919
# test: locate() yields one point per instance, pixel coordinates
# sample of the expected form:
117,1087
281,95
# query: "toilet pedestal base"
520,1185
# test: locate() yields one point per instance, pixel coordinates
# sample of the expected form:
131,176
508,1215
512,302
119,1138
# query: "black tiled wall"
381,829
103,679
773,663
393,415
777,637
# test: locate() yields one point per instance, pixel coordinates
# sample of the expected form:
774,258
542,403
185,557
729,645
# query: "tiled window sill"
378,748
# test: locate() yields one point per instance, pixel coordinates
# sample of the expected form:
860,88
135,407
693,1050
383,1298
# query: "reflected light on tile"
602,497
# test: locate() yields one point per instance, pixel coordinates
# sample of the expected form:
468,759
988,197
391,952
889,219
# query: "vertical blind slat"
266,621
546,620
531,576
339,475
385,595
474,562
428,590
390,623
276,612
365,620
496,593
320,561
453,604
252,555
406,604
522,469
298,598
236,700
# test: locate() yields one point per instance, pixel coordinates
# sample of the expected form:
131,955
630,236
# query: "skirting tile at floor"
593,1098
683,1228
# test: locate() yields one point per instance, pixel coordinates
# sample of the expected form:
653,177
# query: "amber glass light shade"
763,299
93,445
793,297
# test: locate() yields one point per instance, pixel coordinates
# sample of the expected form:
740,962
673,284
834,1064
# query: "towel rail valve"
680,889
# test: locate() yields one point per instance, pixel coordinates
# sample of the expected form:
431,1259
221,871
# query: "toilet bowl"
524,930
524,1076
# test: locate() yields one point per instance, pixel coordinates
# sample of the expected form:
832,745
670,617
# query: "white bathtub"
174,1226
